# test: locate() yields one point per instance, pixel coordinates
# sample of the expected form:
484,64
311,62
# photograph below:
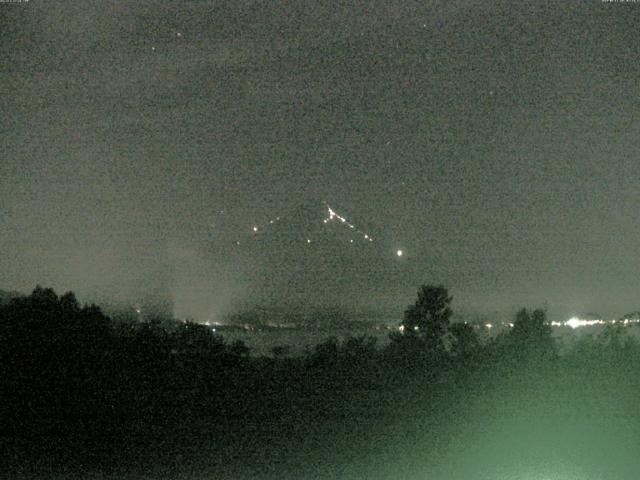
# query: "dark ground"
85,398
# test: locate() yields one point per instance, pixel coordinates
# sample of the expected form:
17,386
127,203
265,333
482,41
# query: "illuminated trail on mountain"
325,217
332,216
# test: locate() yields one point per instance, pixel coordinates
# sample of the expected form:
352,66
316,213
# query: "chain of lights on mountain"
332,215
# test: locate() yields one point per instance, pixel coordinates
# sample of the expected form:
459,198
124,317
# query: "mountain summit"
313,254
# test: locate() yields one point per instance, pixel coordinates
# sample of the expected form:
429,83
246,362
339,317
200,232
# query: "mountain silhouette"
315,254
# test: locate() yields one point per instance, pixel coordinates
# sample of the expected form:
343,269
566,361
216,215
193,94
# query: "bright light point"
255,229
308,240
399,253
488,325
574,322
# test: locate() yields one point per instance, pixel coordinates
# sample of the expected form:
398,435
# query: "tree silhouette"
239,349
195,339
325,354
531,334
69,303
428,318
465,339
359,349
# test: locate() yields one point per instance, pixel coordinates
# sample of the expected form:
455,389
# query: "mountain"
302,315
315,254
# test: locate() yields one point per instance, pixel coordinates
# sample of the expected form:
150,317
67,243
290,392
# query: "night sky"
496,143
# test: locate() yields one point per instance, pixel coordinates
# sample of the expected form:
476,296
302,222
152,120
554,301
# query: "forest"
87,396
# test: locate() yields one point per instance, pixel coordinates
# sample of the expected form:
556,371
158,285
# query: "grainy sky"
497,143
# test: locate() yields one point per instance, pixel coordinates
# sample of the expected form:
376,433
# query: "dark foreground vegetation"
86,397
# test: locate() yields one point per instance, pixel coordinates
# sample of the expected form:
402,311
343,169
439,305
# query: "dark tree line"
78,387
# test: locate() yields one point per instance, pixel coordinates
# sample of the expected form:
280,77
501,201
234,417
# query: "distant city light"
575,322
399,253
255,229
